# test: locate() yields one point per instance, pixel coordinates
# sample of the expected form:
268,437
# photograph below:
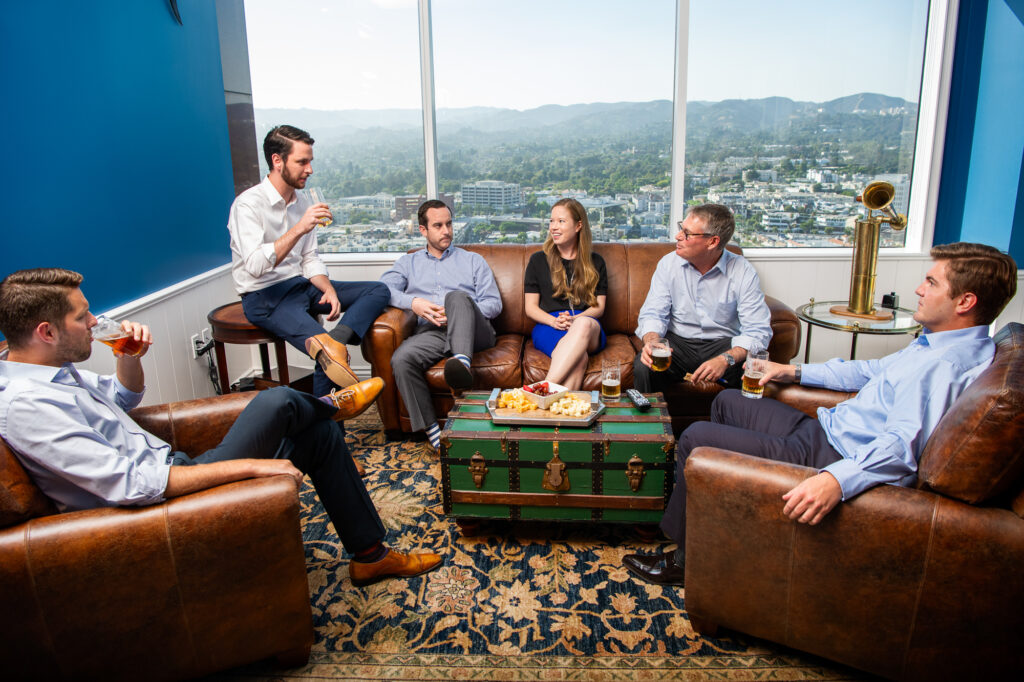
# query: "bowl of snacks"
543,393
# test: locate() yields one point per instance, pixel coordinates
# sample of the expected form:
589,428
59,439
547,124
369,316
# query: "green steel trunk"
620,469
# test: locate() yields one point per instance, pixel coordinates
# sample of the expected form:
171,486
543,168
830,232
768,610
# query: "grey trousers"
687,355
467,331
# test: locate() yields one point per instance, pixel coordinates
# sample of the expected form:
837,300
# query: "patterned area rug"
518,602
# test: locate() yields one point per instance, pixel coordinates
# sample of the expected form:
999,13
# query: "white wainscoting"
175,313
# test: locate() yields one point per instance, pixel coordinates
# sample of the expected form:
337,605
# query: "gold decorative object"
477,469
878,197
556,476
635,472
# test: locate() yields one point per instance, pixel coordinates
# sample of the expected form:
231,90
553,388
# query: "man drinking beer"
705,309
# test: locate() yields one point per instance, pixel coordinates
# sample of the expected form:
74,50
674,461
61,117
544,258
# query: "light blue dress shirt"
881,432
70,431
419,274
726,301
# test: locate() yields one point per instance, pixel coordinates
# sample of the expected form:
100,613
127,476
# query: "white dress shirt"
258,218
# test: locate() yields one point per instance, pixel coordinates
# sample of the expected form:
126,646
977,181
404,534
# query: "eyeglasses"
687,234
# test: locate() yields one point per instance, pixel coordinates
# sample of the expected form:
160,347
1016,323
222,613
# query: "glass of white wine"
316,196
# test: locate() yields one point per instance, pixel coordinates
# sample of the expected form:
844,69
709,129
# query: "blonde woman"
566,285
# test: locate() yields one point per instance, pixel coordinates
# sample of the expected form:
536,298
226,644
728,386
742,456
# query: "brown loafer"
393,564
353,401
333,357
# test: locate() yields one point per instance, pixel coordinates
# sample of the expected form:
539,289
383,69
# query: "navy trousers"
289,309
762,428
284,423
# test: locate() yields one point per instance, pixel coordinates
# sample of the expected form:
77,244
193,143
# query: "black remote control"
638,399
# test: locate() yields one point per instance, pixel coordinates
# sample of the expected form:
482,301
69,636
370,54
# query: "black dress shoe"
658,569
457,375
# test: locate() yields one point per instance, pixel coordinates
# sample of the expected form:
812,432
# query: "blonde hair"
580,291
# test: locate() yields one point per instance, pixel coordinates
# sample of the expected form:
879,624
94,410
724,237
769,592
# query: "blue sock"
463,359
434,435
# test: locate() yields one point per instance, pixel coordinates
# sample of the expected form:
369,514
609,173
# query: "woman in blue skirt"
566,285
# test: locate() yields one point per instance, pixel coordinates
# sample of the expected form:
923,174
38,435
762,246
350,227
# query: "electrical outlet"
197,343
205,335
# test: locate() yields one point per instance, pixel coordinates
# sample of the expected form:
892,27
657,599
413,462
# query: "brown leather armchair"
514,361
197,584
917,583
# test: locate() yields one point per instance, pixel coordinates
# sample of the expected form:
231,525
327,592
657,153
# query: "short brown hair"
28,297
280,140
982,270
718,221
421,215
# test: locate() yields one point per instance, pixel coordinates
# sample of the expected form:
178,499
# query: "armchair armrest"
807,399
786,331
180,589
381,341
193,426
885,583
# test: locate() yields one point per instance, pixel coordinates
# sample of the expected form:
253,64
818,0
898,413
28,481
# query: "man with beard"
454,294
278,273
71,431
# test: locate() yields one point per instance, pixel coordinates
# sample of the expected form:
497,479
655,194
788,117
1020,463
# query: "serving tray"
510,416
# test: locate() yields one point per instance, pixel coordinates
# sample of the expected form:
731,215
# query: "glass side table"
817,314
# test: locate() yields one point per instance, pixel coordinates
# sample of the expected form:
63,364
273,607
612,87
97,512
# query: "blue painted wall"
117,159
983,164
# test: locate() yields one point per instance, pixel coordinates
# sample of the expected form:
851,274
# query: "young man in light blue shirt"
454,295
878,435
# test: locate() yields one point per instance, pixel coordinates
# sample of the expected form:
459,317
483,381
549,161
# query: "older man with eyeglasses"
707,305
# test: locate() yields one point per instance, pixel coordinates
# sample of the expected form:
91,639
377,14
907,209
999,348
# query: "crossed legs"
571,354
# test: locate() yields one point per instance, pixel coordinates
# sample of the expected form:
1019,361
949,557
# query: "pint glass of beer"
661,355
611,381
109,332
753,370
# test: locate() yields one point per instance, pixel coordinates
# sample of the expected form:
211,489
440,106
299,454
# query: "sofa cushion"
20,498
619,350
977,449
499,366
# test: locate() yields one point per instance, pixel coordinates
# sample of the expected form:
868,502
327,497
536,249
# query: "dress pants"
687,355
762,428
467,331
284,423
289,309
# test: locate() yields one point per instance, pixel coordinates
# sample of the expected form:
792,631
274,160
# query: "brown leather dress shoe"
659,569
353,401
333,357
392,565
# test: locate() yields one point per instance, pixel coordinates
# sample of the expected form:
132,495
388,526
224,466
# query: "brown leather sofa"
198,584
514,361
914,584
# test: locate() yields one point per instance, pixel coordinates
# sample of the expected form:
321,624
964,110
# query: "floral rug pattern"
518,602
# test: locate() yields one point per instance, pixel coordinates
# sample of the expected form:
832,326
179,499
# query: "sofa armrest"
886,582
786,331
197,584
193,426
807,399
381,341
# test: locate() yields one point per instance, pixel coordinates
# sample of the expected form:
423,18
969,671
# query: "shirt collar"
720,265
948,338
271,193
10,371
447,252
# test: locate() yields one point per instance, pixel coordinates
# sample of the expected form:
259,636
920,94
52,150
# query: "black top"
537,280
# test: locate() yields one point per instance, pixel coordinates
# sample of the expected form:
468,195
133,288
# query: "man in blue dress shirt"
454,294
878,435
706,302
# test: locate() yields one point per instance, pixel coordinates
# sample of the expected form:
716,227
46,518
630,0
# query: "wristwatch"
796,374
729,358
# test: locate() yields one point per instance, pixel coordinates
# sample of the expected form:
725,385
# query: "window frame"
933,106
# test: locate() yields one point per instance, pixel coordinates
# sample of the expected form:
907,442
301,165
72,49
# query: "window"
783,111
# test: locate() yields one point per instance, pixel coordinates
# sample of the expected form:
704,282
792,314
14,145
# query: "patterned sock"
434,436
463,359
371,554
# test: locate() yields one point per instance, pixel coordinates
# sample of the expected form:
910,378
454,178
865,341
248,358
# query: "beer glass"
661,355
611,384
109,332
316,196
753,370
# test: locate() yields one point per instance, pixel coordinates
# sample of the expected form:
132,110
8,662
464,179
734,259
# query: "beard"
70,349
293,181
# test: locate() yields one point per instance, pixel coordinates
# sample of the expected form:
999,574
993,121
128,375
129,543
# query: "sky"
521,54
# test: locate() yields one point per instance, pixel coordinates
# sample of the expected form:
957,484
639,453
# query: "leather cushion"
492,367
618,350
977,450
20,498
